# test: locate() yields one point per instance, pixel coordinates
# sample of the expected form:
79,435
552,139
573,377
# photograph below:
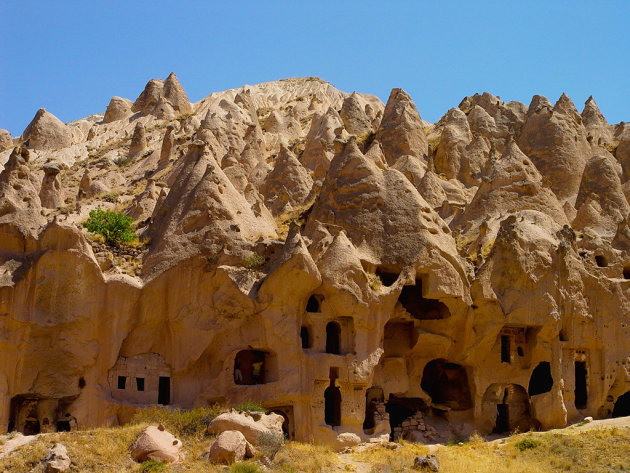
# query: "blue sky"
72,57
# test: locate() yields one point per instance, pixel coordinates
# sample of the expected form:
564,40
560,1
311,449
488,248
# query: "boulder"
347,439
427,463
229,447
56,460
250,424
155,443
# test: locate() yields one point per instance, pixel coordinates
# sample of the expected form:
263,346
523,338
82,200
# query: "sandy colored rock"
47,132
138,141
5,139
401,131
117,109
416,280
229,447
250,424
50,194
57,460
156,444
164,100
554,138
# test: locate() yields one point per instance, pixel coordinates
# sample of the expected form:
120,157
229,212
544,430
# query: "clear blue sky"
72,57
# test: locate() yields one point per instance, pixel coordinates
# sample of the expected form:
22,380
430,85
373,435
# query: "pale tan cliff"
350,266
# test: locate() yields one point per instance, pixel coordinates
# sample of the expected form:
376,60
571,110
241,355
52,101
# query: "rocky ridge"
358,255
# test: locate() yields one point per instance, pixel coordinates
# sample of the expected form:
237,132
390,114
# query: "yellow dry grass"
602,450
598,450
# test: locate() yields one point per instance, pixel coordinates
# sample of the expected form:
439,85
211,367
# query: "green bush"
181,423
115,227
527,443
250,406
253,261
244,467
151,466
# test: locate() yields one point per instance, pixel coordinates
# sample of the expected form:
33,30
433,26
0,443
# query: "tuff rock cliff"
340,260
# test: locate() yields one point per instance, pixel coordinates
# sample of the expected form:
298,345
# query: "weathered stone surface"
230,446
57,460
47,132
331,258
427,463
155,443
250,424
117,109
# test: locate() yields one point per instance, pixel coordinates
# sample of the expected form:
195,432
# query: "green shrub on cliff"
115,227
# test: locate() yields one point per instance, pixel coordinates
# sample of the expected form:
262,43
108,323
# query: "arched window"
314,303
333,338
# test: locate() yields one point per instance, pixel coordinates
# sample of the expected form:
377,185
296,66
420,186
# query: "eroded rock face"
47,132
357,271
117,109
164,100
155,443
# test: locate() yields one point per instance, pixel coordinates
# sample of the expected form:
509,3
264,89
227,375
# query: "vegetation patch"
115,227
191,423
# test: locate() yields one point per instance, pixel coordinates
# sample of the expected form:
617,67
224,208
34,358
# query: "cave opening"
622,406
541,380
581,393
420,307
447,384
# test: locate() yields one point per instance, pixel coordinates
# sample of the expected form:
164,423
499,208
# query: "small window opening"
564,337
519,351
505,349
333,338
626,272
314,303
81,382
601,261
305,336
140,384
387,278
122,382
250,367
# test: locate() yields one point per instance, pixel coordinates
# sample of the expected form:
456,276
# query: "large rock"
57,459
164,100
50,194
117,109
47,132
402,130
5,139
250,424
229,447
155,443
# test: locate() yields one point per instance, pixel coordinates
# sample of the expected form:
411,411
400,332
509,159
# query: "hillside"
341,261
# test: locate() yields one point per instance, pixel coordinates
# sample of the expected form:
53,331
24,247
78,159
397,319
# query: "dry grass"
603,450
297,457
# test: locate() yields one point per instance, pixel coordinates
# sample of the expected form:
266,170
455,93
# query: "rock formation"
359,272
47,132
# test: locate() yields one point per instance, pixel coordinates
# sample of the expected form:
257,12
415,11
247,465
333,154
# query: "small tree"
115,227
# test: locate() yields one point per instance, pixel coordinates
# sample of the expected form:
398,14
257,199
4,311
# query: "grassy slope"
597,450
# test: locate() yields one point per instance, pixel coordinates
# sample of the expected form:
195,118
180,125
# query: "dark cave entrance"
447,384
164,390
401,408
373,397
332,405
419,307
541,380
581,393
622,406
